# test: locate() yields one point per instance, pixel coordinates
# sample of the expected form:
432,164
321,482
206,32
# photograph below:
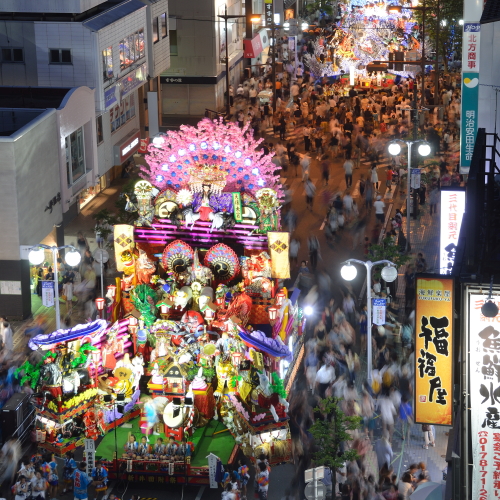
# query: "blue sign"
128,83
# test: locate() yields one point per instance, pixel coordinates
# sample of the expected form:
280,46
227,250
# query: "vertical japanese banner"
452,212
48,293
268,13
378,311
434,351
484,383
470,82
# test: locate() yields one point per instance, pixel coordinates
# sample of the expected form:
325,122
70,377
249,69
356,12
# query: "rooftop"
32,97
491,12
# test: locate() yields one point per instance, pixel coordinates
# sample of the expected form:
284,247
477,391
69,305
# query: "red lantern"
164,309
273,312
280,298
100,303
112,291
133,321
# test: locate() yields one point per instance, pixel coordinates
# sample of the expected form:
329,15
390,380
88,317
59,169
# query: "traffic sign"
317,473
320,491
101,256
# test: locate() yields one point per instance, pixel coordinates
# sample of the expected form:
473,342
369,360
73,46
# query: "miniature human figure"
131,447
156,375
158,450
69,467
143,448
183,452
171,449
100,477
138,370
205,208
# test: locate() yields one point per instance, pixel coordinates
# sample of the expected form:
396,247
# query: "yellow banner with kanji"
279,246
124,241
434,351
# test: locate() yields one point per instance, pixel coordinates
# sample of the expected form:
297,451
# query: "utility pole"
436,69
226,17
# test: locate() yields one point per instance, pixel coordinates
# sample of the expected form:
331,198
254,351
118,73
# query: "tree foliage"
330,432
387,251
448,13
323,6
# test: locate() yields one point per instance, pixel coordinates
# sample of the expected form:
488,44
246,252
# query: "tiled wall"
161,49
65,36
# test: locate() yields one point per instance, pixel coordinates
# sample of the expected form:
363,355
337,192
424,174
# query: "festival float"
203,341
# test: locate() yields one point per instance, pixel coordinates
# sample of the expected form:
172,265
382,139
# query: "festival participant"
81,481
183,451
244,478
100,477
171,449
131,447
38,486
21,489
69,469
143,449
158,450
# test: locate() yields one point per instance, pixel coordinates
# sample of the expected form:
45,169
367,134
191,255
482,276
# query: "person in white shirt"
379,209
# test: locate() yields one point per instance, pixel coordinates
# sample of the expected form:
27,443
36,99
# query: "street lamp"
37,255
394,148
349,272
226,17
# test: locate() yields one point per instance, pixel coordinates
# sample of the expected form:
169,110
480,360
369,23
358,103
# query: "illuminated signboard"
452,212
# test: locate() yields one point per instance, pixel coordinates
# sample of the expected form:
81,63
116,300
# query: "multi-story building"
60,145
117,47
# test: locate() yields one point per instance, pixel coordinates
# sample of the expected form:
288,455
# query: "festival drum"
175,417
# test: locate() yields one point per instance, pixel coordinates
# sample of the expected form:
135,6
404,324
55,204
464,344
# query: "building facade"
47,147
118,48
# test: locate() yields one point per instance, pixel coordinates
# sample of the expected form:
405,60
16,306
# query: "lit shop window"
132,49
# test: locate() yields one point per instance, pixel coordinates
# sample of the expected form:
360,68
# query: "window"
156,31
132,49
75,156
107,63
12,55
173,42
163,22
98,125
60,56
121,114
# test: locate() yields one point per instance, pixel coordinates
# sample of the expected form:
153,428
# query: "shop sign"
434,351
378,311
452,212
484,376
48,293
252,47
237,209
268,13
470,92
125,85
143,148
130,147
415,178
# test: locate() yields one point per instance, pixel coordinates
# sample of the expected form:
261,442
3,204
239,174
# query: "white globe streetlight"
36,256
73,258
308,310
389,273
394,148
348,271
424,149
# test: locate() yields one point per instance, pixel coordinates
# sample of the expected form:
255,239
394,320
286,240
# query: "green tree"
387,251
448,33
329,433
324,6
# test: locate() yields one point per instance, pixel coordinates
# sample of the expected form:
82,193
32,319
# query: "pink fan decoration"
231,149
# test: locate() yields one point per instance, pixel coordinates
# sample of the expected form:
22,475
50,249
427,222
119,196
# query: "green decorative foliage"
81,359
277,385
208,373
31,373
139,297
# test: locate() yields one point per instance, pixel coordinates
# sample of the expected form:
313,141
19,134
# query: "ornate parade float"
202,340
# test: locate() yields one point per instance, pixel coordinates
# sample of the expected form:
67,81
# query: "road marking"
200,492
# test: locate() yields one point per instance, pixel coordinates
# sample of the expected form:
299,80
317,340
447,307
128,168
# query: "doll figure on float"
205,209
144,267
199,273
156,375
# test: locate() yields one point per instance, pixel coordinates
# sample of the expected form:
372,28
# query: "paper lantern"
100,303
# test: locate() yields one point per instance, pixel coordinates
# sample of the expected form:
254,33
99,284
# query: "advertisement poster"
452,213
484,383
48,293
434,351
378,311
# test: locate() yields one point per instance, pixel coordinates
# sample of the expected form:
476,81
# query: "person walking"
305,164
428,436
313,245
310,189
348,166
379,209
374,177
325,169
262,480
